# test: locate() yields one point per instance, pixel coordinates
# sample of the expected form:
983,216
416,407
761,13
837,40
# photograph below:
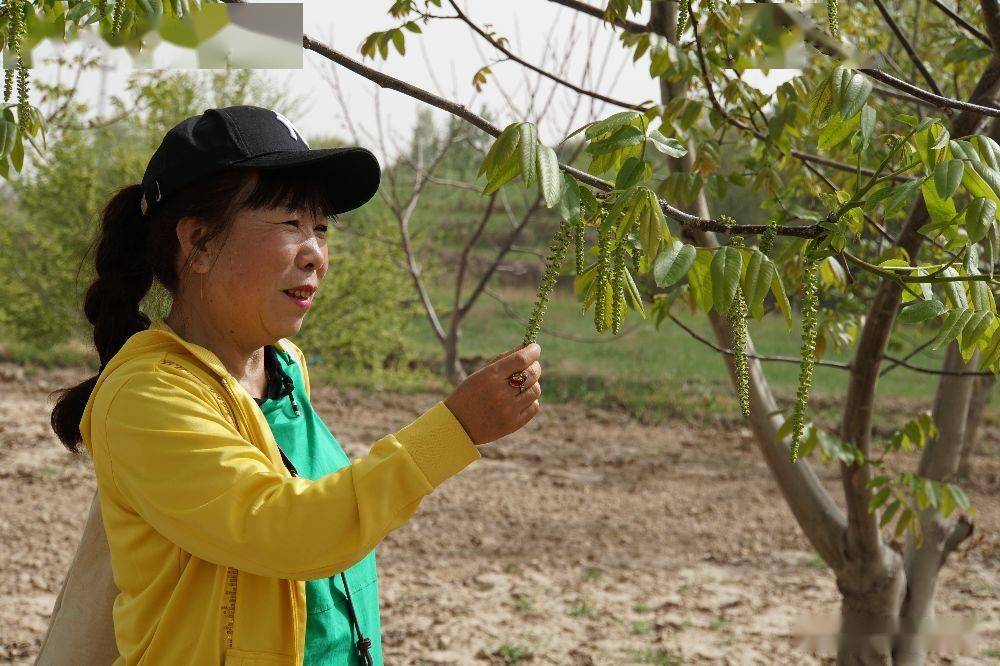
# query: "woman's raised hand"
487,406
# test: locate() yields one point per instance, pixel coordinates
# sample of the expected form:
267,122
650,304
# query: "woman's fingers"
530,394
518,360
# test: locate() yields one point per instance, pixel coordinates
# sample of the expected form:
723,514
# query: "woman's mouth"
301,298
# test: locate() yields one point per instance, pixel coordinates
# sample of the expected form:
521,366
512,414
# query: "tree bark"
939,461
981,392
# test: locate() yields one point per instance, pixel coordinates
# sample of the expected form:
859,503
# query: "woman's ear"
191,233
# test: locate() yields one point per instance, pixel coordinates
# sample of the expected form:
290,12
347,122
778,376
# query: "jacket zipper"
230,616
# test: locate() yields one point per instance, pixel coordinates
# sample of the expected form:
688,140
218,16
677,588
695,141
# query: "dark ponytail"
124,275
133,250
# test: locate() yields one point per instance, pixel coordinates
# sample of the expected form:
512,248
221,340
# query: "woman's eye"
322,228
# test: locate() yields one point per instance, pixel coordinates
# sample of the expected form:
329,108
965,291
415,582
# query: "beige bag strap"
81,630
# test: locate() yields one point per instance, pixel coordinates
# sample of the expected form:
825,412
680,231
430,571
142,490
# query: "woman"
239,532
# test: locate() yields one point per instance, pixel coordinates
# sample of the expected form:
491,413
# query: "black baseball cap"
252,136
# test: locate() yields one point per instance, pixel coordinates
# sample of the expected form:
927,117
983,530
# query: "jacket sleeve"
187,471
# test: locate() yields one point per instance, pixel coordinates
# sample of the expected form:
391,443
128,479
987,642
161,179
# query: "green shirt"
314,452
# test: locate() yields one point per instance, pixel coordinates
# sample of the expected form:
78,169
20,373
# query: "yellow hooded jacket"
211,538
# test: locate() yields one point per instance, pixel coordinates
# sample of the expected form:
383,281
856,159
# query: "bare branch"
937,100
971,29
513,56
908,48
811,230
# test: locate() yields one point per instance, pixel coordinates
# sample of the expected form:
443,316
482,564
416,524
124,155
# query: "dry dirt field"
585,538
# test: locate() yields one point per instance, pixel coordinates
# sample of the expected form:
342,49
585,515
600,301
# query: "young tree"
875,204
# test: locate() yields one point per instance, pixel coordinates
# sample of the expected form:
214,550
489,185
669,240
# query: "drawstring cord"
364,644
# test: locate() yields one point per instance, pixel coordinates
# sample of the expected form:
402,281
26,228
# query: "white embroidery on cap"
291,128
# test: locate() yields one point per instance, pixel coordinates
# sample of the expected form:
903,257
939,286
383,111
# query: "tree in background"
880,193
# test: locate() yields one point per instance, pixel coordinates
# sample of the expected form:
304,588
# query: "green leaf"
569,202
921,311
652,225
548,175
854,95
757,279
502,150
700,279
954,289
879,498
941,209
889,512
960,497
529,153
837,130
901,194
904,519
727,264
781,299
668,146
399,41
673,263
947,500
867,124
412,27
951,326
982,181
979,215
947,177
626,136
633,171
610,123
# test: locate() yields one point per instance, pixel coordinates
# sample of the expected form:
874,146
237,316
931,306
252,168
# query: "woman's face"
266,252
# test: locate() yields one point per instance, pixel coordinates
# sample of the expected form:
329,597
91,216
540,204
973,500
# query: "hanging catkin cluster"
579,242
833,18
602,278
15,38
557,250
810,309
617,289
116,17
767,238
737,316
683,13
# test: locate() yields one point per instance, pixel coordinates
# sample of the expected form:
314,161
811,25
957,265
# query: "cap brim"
353,172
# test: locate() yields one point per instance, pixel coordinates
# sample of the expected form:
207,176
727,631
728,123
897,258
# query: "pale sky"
443,60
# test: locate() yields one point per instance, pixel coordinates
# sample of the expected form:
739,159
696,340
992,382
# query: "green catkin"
579,242
601,279
682,18
727,220
116,17
810,307
738,339
767,238
617,289
833,18
15,33
557,250
738,330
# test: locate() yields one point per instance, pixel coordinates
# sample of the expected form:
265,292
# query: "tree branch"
811,230
908,48
971,29
937,100
510,54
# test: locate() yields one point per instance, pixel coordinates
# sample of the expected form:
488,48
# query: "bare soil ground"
585,538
